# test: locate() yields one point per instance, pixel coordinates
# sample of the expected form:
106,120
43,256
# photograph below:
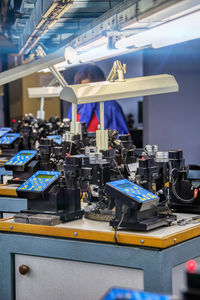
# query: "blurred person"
90,113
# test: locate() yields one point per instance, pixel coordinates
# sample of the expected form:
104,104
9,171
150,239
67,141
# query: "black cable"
124,156
191,200
116,229
118,169
186,201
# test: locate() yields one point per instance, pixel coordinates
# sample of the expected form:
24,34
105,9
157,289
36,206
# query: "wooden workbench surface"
85,229
101,231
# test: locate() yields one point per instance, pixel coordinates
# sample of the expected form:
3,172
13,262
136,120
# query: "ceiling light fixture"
103,40
177,31
128,88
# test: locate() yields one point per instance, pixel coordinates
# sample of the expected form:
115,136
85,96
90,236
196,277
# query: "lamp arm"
117,72
40,52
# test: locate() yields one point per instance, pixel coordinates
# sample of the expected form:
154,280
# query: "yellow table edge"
4,191
99,236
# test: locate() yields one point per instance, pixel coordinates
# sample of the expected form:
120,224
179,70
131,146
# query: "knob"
23,269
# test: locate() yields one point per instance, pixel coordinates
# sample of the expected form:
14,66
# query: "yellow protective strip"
5,191
182,236
123,238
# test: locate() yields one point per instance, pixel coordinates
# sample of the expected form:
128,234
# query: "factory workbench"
80,259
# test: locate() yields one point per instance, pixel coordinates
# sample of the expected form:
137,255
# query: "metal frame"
157,264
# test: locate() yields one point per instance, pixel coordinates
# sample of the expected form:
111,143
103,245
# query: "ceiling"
24,24
19,19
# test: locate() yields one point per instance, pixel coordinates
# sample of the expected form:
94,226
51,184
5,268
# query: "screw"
11,227
142,241
75,233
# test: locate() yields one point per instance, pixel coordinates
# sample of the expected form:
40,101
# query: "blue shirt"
113,115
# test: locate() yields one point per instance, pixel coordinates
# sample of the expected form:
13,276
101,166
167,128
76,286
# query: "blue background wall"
173,120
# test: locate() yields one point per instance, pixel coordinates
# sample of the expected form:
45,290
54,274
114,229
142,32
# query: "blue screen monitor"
132,190
39,181
21,158
126,294
9,138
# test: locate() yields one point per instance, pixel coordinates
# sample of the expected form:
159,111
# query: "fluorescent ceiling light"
167,13
177,31
173,32
131,87
99,53
103,40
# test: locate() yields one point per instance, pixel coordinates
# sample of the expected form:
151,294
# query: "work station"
99,149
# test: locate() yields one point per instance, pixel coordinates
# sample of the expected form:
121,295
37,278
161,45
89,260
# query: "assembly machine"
96,173
184,185
51,198
10,144
23,165
104,91
97,168
89,166
135,207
